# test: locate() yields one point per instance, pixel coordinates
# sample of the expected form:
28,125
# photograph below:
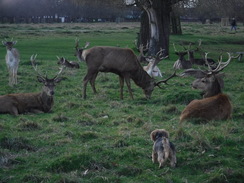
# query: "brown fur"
214,105
217,107
163,149
30,102
120,61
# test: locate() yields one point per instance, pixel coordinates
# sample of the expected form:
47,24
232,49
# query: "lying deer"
31,102
66,63
12,60
198,61
120,61
181,62
215,105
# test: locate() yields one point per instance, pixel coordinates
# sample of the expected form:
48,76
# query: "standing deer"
12,61
120,61
20,103
215,105
66,63
181,63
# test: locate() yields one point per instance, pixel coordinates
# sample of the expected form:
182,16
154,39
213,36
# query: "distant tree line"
213,10
27,11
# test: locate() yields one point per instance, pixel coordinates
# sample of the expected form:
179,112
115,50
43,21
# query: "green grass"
103,138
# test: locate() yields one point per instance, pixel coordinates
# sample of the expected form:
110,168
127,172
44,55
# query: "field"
103,138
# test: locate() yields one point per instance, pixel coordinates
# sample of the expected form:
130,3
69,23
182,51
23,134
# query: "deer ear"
40,79
57,80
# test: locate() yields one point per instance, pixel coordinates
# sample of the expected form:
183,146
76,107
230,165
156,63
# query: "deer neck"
141,78
46,101
215,90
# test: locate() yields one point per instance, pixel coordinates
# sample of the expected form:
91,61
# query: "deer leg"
127,80
10,77
87,78
92,82
121,83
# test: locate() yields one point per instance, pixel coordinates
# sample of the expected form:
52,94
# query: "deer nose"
52,93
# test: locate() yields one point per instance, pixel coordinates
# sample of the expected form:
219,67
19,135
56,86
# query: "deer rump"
23,103
217,107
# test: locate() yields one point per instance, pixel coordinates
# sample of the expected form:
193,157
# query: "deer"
66,63
12,60
181,62
120,61
197,61
41,102
152,68
215,105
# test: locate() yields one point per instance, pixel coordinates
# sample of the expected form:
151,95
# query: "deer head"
181,54
61,60
9,44
49,84
152,68
209,81
79,51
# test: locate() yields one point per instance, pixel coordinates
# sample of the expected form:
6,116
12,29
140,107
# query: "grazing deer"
152,68
31,102
215,105
12,61
66,63
120,61
181,63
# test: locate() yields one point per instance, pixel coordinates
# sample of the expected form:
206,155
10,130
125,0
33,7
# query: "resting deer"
66,63
152,68
12,60
120,61
20,103
181,63
215,105
198,61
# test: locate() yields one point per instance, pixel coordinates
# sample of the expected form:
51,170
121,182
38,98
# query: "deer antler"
77,43
60,71
165,80
34,65
221,65
87,44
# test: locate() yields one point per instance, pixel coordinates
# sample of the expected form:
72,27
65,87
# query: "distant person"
233,24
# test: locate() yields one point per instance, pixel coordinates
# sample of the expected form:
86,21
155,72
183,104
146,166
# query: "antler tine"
165,80
235,57
206,61
174,47
86,45
199,42
160,55
189,47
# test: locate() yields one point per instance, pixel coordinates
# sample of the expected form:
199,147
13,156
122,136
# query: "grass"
103,138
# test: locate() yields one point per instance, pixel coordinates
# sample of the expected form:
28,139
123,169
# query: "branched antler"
165,80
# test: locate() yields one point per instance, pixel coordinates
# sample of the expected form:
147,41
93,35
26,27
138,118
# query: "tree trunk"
158,23
175,24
